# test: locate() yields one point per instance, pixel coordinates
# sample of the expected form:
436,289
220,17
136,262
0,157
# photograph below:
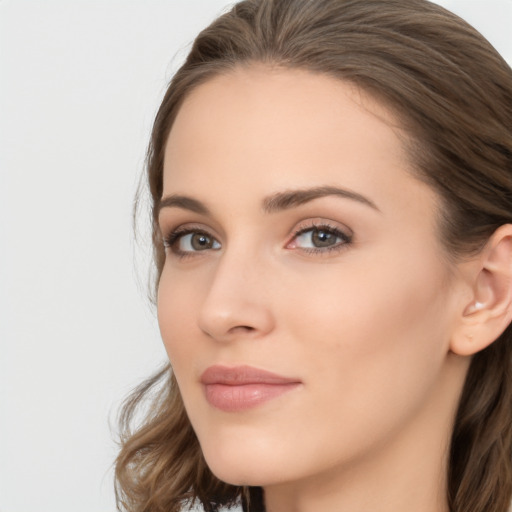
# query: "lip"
239,388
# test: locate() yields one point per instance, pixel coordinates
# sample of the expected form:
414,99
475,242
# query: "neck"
372,485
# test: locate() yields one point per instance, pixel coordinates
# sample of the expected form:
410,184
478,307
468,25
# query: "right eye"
187,242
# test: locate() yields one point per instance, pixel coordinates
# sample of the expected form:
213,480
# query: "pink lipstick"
243,387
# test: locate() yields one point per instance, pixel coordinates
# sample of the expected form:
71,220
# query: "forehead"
259,130
256,95
261,116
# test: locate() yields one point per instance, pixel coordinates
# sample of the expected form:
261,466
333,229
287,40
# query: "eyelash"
345,238
174,236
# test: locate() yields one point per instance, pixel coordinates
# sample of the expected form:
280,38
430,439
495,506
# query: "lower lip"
244,397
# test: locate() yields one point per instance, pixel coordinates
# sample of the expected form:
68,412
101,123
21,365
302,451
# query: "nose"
237,301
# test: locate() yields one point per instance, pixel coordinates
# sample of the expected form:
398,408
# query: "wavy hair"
452,93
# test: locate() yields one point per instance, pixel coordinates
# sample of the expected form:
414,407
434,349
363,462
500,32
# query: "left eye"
319,238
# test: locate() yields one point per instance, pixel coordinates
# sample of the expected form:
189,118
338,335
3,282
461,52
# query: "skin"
366,326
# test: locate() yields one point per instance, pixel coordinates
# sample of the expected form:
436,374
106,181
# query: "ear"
488,311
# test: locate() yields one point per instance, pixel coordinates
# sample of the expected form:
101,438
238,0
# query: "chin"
246,465
245,474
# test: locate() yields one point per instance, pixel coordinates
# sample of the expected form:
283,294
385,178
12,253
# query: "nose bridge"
236,301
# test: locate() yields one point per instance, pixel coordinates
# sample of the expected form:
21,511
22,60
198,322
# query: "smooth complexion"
300,243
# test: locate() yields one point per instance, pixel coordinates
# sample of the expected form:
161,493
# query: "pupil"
323,239
201,242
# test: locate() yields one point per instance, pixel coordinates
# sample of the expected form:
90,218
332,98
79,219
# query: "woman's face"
306,304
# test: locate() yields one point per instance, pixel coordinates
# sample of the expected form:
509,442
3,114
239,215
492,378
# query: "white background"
80,82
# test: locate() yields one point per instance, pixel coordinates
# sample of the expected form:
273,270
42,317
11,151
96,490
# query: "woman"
332,208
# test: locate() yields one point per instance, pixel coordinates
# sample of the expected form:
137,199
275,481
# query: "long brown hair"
453,95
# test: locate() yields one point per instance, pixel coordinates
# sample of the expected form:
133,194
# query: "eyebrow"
184,202
289,199
274,203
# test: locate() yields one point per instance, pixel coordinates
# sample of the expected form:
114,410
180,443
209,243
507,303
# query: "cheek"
371,355
379,332
176,306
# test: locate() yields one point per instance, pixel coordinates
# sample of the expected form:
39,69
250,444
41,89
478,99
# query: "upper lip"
242,375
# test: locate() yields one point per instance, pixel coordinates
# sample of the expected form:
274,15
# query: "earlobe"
489,310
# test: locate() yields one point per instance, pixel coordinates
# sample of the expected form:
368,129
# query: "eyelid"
169,229
319,223
171,219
